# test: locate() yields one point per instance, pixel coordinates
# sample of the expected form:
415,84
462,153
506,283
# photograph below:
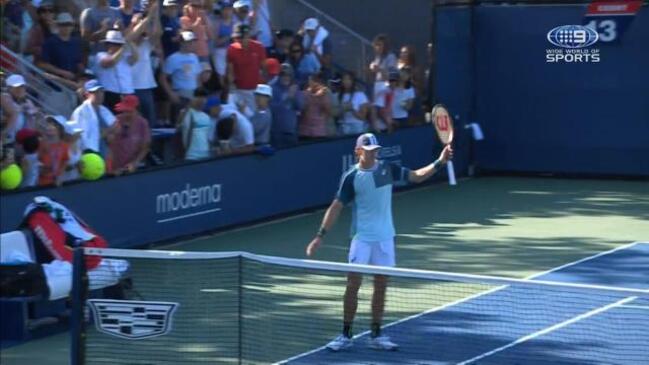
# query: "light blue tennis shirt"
370,191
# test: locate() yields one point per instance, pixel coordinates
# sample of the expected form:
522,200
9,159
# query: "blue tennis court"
519,325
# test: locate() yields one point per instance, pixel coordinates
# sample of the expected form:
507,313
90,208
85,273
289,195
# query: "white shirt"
117,79
86,116
358,99
400,97
243,133
142,70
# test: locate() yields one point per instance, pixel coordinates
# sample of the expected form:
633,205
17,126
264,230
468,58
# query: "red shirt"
247,64
129,140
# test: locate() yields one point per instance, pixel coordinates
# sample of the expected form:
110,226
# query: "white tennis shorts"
379,253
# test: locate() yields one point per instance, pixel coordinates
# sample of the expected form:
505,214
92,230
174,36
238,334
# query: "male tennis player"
368,185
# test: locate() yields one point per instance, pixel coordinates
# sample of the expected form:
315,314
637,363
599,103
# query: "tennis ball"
11,177
92,166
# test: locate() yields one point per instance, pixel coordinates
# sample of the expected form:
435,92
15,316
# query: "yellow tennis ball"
11,177
92,166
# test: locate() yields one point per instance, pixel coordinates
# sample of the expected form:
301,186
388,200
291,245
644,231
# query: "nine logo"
573,36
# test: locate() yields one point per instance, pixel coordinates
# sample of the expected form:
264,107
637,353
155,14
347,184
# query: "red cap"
129,103
272,66
25,133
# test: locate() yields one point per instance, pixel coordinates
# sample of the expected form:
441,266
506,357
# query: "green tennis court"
499,226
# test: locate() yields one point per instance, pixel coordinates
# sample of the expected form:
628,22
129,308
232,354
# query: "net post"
78,296
240,309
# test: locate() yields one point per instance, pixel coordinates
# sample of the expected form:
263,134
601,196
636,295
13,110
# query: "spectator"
317,110
208,80
132,138
145,33
170,27
29,140
280,49
26,115
243,14
384,61
396,99
7,125
334,85
184,69
73,140
53,152
95,119
126,11
12,24
408,58
354,106
96,21
304,64
62,54
195,20
234,133
316,41
263,117
246,58
196,127
224,27
114,68
44,27
286,103
272,68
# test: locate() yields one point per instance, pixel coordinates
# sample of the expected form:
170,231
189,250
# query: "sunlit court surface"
583,232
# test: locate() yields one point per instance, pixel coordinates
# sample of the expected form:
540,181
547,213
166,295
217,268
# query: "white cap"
367,142
311,24
188,36
241,3
170,3
114,36
15,80
263,89
64,18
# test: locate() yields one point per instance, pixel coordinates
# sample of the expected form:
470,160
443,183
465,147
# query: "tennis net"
240,308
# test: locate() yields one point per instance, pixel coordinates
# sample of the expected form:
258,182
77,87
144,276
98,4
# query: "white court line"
477,295
549,329
635,306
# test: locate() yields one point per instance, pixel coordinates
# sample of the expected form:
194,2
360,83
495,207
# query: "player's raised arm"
424,173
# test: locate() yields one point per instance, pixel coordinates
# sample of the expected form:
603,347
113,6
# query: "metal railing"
43,90
351,50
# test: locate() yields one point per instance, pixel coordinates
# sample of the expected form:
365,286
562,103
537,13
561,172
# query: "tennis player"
368,185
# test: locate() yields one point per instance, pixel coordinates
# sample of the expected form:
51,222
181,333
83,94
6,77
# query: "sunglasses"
296,51
46,10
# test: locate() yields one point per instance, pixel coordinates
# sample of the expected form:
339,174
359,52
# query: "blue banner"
153,206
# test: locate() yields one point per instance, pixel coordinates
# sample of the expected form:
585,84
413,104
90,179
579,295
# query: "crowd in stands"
212,70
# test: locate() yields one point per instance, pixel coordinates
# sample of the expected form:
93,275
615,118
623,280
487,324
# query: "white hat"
263,89
367,142
114,36
170,3
64,18
15,80
188,36
241,3
311,24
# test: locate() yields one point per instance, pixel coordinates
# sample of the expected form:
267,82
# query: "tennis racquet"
444,126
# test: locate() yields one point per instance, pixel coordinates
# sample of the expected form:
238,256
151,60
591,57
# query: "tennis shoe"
340,343
382,343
